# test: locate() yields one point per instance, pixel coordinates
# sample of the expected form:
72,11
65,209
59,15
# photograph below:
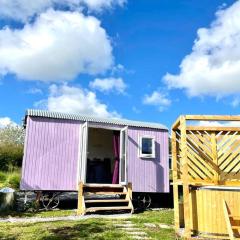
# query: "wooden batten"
212,117
176,124
175,185
210,129
183,146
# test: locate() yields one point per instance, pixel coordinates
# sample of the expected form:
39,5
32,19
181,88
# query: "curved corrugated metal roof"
79,117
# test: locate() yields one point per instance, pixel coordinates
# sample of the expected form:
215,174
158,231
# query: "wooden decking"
104,197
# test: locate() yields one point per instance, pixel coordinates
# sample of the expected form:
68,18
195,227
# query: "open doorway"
103,156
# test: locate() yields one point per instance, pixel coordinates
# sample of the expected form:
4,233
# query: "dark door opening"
103,145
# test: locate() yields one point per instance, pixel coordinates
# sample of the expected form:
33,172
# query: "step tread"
104,193
95,185
106,200
235,217
235,227
93,209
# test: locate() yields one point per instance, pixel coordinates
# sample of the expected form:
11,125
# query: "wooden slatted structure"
232,222
204,156
104,197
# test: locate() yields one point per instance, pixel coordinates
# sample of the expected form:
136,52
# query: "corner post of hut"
175,175
186,193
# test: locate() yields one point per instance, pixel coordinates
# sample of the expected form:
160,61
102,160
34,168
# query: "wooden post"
129,195
175,178
130,190
215,156
81,207
186,193
227,221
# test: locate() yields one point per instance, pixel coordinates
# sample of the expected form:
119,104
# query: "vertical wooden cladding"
51,154
146,174
208,212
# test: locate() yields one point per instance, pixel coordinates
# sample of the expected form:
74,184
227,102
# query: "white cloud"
217,123
6,121
213,67
136,110
56,47
99,5
157,99
22,10
34,90
109,84
75,100
235,102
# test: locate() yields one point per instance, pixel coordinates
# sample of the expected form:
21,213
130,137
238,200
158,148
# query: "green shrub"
14,180
3,177
10,179
10,156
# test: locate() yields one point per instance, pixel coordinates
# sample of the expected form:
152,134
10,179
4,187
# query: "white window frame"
142,155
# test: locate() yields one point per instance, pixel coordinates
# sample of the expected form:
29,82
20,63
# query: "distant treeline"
11,147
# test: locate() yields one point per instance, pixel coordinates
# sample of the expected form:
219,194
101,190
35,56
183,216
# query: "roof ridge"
81,117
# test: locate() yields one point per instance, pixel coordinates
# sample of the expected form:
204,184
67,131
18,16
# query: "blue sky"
125,50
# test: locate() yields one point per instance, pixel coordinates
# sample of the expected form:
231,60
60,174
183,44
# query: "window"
147,147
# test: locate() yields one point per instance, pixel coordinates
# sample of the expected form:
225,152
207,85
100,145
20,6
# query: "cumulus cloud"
6,121
75,100
34,90
56,47
99,5
22,10
213,66
218,124
236,102
109,84
157,99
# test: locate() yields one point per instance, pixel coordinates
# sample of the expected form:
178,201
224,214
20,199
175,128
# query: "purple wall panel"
51,154
148,175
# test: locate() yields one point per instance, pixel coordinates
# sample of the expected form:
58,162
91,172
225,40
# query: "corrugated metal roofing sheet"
79,117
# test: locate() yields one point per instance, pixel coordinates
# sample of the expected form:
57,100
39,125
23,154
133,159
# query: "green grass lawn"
155,217
95,228
10,179
54,213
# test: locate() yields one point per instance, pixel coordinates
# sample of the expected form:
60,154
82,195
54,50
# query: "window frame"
144,155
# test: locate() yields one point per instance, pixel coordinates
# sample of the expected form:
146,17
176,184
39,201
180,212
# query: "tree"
11,147
12,134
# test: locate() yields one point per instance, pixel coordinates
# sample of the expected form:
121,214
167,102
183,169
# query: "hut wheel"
144,201
50,200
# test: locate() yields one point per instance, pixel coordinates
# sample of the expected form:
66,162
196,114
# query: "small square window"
147,147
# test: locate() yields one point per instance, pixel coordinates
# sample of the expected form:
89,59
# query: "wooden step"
235,218
95,185
94,209
235,227
104,193
106,200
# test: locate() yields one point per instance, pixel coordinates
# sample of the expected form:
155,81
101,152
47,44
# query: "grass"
156,217
55,213
10,179
85,229
88,228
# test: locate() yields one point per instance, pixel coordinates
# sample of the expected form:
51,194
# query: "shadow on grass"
78,231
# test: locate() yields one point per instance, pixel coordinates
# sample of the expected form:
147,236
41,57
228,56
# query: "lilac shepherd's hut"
62,150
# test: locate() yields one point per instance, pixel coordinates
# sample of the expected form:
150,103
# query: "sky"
143,60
